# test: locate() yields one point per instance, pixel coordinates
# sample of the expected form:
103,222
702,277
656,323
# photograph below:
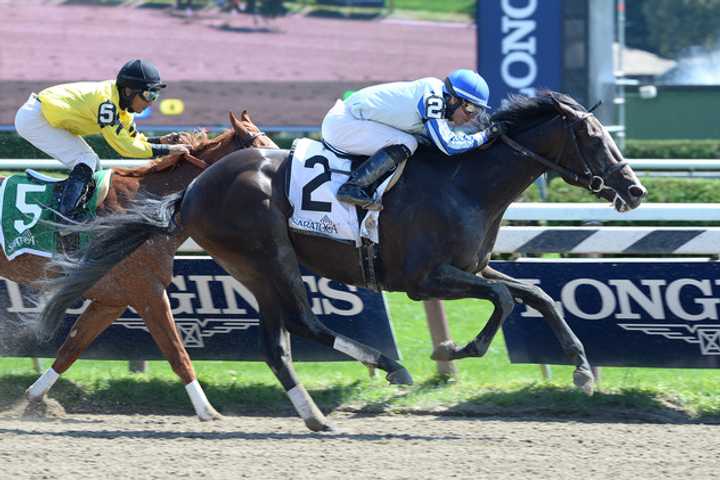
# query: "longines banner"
216,316
519,46
627,313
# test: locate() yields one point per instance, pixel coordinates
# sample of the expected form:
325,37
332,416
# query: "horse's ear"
561,107
234,122
245,116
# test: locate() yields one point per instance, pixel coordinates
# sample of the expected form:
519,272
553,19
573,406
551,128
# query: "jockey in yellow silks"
56,119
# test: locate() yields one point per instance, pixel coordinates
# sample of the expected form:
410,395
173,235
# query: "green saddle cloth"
23,219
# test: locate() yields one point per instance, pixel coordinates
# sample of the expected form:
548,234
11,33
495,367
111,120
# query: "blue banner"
626,313
216,316
519,45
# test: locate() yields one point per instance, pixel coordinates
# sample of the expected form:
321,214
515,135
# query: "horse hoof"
585,381
31,398
210,415
444,352
320,425
401,376
44,408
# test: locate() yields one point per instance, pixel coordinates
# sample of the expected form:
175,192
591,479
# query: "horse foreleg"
535,297
155,311
93,321
449,283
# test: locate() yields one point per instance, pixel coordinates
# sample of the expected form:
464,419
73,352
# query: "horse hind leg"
93,321
302,321
157,314
276,345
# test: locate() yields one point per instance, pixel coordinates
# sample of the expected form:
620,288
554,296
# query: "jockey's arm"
453,142
130,143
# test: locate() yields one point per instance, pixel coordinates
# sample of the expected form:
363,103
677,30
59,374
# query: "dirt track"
374,447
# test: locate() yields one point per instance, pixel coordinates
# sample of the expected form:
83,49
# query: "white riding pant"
60,144
361,137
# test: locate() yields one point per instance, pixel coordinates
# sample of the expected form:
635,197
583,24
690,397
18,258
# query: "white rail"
602,212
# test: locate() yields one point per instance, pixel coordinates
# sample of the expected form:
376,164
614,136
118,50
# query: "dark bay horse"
437,232
140,282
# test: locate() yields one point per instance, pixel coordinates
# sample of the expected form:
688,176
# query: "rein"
593,182
202,164
248,143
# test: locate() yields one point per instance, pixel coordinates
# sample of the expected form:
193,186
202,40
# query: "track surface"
374,447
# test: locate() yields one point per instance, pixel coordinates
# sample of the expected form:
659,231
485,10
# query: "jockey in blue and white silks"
387,121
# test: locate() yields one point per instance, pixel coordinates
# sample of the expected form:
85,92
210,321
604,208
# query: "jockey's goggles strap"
449,87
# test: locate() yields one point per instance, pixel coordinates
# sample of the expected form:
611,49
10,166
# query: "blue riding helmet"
469,86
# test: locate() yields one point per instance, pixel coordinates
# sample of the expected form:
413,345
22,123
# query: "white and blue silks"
399,113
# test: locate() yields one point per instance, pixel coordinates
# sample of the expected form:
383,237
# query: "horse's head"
243,134
589,150
248,134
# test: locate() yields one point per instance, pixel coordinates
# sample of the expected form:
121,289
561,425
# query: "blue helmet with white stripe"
469,86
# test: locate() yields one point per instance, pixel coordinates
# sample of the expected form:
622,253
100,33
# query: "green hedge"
660,190
672,149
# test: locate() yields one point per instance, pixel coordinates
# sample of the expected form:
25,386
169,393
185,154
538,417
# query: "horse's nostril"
637,191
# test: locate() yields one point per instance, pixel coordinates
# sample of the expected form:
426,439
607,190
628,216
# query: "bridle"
592,181
246,143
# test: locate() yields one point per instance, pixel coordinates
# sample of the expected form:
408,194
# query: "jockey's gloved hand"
179,148
495,130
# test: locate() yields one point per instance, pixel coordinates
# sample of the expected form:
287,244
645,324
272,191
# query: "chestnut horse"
437,232
141,282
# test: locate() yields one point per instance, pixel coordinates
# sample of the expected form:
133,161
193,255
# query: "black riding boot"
357,190
75,187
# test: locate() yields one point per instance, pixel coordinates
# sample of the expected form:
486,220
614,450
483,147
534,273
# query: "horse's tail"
113,238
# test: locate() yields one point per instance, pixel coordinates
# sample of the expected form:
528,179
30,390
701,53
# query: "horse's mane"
200,142
519,111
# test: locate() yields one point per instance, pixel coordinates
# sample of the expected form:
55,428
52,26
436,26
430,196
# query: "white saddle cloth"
316,174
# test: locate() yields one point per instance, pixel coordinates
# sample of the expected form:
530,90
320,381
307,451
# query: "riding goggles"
150,95
472,109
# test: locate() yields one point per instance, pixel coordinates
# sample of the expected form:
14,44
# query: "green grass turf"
489,385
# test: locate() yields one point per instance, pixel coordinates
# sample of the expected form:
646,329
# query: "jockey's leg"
357,188
387,147
70,149
93,321
75,188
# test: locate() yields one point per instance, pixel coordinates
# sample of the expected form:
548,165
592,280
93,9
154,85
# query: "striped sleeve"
450,142
431,108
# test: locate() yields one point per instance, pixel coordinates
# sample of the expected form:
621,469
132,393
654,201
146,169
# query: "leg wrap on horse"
357,189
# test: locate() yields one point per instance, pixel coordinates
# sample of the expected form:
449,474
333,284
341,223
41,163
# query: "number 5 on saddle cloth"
27,211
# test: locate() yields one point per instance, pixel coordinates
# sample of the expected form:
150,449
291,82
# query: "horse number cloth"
24,201
316,174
